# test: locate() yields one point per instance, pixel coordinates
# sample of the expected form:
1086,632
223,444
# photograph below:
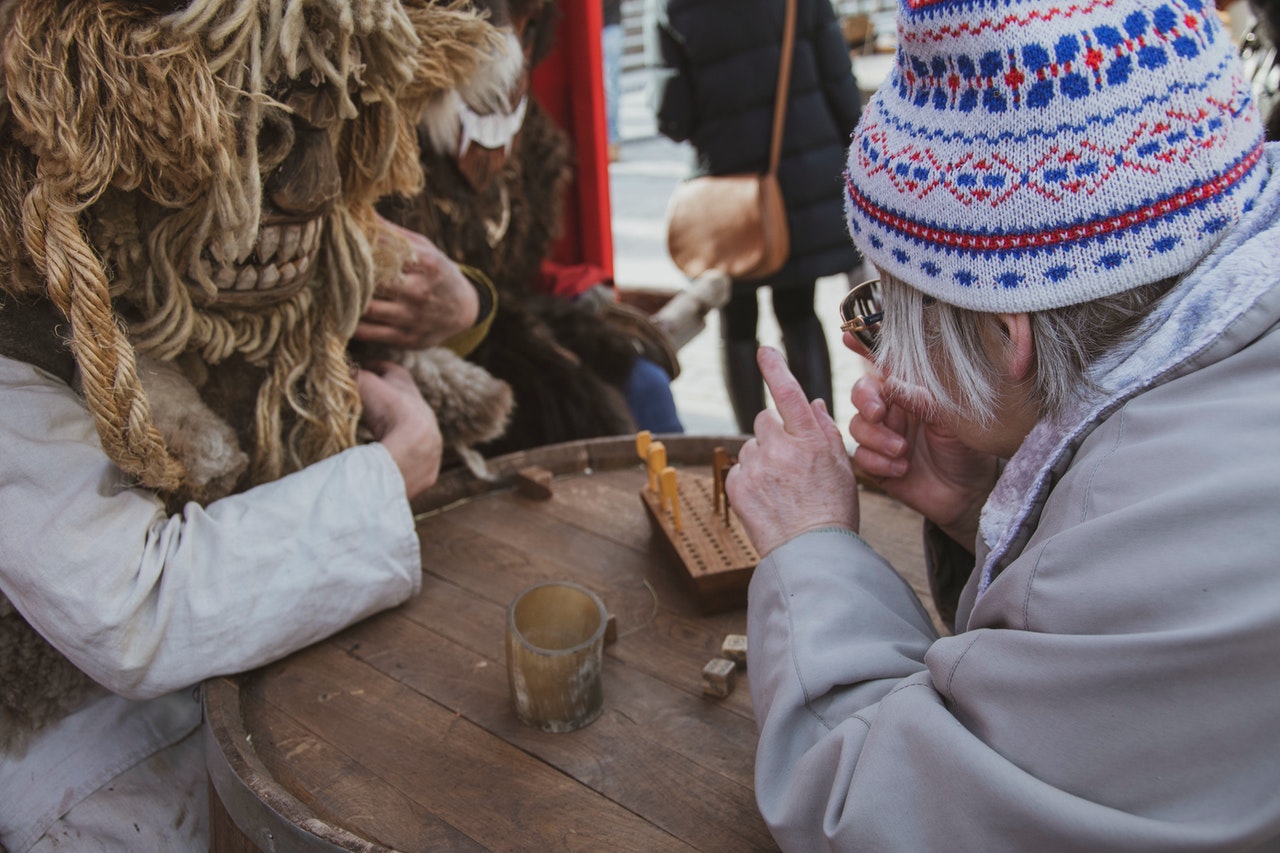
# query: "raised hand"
795,474
423,302
919,462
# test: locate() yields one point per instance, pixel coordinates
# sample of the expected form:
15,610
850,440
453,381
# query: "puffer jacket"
1113,682
716,67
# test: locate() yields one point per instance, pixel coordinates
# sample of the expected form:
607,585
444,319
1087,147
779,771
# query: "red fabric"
569,280
569,83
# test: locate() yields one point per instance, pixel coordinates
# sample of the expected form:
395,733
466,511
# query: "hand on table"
918,462
795,474
403,422
427,301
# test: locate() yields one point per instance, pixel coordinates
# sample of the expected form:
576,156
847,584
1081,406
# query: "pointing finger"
788,396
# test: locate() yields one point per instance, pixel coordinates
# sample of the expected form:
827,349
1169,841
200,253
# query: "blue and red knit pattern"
1033,74
1029,155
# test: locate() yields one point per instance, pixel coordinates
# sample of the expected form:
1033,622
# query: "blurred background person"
714,86
611,48
497,167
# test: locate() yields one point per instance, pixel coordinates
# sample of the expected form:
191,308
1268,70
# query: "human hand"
423,303
795,474
403,422
919,462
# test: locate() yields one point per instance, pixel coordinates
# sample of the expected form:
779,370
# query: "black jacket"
612,11
716,67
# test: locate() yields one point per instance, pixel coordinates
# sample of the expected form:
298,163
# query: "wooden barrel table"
398,733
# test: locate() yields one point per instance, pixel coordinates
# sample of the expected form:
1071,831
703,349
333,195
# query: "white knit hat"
1029,155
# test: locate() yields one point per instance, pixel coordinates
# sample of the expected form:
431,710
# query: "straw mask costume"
497,167
188,233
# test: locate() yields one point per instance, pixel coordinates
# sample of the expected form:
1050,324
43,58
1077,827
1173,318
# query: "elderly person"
1074,218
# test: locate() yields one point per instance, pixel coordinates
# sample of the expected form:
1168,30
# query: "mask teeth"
494,130
283,254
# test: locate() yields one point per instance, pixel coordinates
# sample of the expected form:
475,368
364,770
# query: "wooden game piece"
718,677
714,556
643,439
670,494
734,648
534,483
719,463
657,461
611,630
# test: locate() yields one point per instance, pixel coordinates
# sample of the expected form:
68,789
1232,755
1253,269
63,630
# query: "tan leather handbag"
736,223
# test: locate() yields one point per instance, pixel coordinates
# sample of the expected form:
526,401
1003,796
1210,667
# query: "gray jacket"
1115,684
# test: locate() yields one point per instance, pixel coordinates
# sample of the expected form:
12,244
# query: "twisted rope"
109,377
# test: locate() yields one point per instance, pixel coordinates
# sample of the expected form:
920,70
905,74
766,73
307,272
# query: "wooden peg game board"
691,513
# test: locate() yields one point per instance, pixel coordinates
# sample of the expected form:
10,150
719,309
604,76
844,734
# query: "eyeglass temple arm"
860,323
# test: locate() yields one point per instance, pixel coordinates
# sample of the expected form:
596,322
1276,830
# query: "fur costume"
188,192
497,167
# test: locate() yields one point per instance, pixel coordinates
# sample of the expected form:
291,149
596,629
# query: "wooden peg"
719,463
643,439
671,494
657,461
720,475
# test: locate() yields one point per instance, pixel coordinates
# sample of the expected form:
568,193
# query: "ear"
1019,346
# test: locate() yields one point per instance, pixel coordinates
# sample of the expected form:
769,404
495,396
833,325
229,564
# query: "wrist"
486,293
965,536
418,471
464,342
963,527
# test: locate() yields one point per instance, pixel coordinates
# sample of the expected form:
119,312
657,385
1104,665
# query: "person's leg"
648,393
804,341
611,45
738,347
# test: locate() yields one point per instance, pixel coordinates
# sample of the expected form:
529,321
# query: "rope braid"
80,152
109,378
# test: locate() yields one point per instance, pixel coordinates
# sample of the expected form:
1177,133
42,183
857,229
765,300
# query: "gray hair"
936,352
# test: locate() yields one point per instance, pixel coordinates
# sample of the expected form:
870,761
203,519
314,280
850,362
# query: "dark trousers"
803,341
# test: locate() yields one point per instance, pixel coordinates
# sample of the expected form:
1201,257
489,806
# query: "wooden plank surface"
399,730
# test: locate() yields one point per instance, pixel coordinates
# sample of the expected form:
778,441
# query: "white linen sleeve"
146,603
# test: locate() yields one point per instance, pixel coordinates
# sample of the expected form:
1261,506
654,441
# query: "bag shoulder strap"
784,86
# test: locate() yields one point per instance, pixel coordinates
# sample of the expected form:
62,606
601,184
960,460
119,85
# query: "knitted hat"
1029,155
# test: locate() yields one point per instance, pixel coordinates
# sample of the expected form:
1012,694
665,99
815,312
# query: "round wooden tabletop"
398,733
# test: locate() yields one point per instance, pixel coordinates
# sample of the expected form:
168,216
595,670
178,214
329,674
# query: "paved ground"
640,184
